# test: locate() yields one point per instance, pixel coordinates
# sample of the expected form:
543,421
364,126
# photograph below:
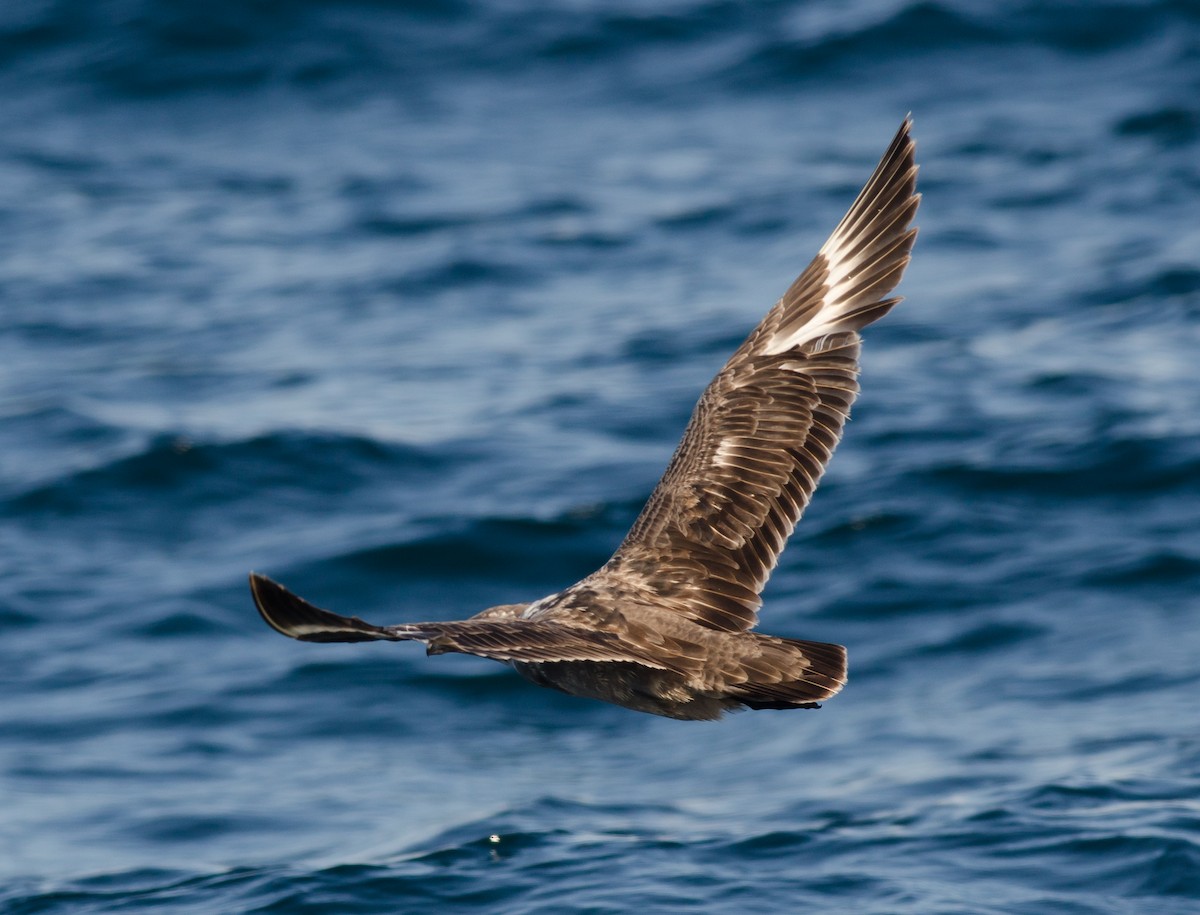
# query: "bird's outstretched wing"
499,639
764,429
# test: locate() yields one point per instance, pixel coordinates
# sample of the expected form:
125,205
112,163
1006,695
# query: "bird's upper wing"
764,429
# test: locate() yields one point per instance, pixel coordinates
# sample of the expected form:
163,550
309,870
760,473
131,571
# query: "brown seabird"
664,625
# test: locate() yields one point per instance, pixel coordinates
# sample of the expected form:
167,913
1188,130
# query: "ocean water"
407,305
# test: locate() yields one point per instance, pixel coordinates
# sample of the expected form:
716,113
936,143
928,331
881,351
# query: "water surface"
407,305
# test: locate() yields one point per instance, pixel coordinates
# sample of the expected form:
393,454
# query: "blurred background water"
407,304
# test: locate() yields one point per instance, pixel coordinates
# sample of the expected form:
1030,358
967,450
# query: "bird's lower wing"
530,641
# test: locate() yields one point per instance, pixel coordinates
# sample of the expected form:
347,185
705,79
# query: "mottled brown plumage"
663,626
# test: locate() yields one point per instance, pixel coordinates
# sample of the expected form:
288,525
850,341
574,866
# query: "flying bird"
665,625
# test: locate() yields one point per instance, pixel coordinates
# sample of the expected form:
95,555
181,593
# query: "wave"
1172,125
1115,829
194,474
551,854
1109,466
1158,285
458,274
1162,568
147,48
491,559
984,638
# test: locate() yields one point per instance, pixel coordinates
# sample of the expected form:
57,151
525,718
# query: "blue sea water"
407,305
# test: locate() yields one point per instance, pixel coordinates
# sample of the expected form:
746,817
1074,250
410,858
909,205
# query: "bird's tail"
791,673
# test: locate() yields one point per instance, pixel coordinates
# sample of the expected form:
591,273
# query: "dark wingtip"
293,616
276,604
266,594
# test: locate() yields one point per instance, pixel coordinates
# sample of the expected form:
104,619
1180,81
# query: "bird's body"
664,625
